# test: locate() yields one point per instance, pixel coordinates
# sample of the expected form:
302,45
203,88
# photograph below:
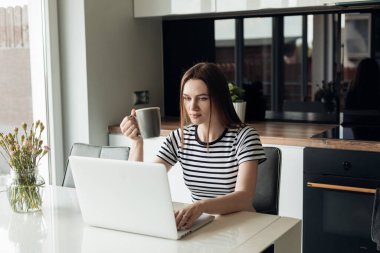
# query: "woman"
218,153
364,94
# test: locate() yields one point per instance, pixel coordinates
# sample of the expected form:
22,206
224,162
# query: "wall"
106,54
73,72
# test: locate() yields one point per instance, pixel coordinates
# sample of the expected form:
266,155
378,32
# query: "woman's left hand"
186,217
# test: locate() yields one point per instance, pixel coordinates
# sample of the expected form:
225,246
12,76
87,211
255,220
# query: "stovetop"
364,133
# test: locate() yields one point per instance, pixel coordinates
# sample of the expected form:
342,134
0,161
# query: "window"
225,47
290,65
257,73
15,77
357,29
26,48
292,56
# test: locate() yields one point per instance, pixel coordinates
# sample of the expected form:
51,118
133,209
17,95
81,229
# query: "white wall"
123,55
291,181
73,72
106,54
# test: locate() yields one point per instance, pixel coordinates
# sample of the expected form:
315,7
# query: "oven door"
337,214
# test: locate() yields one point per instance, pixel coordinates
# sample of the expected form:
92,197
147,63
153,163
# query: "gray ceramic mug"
149,120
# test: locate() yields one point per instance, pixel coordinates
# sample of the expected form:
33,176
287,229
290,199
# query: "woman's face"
196,101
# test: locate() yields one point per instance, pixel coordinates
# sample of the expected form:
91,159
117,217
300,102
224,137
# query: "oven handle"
341,187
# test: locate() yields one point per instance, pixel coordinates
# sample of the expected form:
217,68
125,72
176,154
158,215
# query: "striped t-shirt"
212,171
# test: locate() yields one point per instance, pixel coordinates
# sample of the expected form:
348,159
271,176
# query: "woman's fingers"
185,218
129,126
181,220
123,123
133,112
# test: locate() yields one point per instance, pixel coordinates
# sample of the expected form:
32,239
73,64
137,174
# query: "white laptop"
127,196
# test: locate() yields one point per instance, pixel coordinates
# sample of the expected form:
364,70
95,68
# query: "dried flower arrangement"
23,152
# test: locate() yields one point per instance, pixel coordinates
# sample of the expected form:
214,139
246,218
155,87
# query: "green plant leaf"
236,92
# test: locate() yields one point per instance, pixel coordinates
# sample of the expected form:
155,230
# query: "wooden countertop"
285,133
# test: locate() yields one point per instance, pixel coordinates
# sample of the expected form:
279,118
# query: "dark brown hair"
364,92
218,93
367,75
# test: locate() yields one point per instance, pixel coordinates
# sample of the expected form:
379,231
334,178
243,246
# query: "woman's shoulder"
188,129
244,129
242,133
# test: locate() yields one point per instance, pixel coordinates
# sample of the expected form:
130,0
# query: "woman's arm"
239,200
167,165
136,152
130,129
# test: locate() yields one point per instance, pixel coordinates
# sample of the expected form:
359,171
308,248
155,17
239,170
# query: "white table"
60,228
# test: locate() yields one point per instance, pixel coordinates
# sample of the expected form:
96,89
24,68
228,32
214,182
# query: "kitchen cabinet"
338,197
244,5
255,5
290,202
157,8
291,181
247,5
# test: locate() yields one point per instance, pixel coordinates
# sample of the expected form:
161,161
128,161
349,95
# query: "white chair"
81,149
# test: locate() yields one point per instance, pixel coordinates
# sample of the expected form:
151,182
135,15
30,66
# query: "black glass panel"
364,133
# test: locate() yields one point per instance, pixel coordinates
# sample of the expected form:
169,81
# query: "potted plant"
23,151
326,94
237,96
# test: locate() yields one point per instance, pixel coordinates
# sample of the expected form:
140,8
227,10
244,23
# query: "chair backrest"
82,149
268,182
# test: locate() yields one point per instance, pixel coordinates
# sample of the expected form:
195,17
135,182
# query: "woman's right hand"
130,128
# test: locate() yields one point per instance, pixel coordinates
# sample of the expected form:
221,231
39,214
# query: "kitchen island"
59,227
285,133
291,138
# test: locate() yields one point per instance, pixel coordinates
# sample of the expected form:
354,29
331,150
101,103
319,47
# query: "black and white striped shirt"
212,171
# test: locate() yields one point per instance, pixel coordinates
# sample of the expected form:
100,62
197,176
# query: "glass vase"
24,189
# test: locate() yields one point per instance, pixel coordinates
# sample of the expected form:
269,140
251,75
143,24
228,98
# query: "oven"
339,187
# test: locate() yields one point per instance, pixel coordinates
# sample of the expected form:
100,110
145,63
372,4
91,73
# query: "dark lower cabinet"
337,207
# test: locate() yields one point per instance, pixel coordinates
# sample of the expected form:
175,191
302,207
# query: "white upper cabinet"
246,5
156,8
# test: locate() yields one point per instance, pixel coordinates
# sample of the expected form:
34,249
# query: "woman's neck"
216,130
